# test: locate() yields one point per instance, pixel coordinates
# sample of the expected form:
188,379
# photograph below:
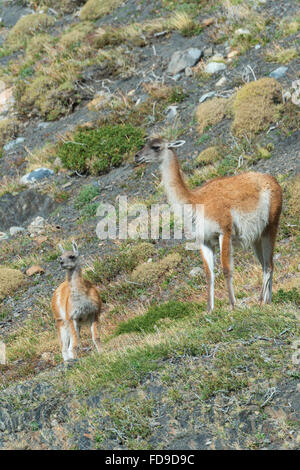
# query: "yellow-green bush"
256,106
8,130
65,6
209,155
26,27
10,281
147,273
93,9
212,111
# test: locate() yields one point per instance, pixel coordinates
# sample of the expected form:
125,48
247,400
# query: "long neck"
175,187
74,276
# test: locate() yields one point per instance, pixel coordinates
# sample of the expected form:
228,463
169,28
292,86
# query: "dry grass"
147,273
93,9
256,106
236,11
208,156
10,281
26,27
212,111
281,55
8,130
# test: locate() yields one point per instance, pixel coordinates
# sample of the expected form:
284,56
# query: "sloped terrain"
83,84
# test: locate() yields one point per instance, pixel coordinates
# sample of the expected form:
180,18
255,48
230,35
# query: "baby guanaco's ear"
75,248
176,144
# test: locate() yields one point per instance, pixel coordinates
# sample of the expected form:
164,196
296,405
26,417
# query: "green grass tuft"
146,323
96,151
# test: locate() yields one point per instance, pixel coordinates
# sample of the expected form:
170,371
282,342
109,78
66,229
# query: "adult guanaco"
243,208
74,302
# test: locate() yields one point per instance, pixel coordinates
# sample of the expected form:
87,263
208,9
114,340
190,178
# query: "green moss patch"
146,323
256,106
95,151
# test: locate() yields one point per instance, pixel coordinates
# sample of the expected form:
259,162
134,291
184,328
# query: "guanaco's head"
69,259
156,150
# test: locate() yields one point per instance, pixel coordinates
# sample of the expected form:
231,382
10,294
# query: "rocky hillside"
82,85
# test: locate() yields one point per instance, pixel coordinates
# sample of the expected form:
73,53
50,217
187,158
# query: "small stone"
188,72
208,52
35,269
171,112
232,54
208,21
180,60
14,230
279,72
196,271
221,82
37,225
204,97
242,32
3,236
36,175
47,357
10,145
214,67
258,46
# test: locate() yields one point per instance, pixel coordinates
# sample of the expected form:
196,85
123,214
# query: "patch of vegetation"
283,296
73,38
93,9
146,323
281,55
229,367
208,156
8,130
64,6
26,27
127,258
256,105
10,281
289,25
95,151
212,111
86,195
147,273
48,96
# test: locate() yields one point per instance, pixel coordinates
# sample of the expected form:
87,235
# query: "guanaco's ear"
75,248
61,248
176,144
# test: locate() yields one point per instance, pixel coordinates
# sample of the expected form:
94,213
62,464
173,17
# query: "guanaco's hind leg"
74,340
227,265
264,249
207,254
95,333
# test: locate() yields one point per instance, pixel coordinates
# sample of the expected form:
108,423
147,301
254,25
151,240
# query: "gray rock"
37,226
182,59
36,175
171,112
214,67
208,52
10,145
14,230
221,82
279,72
210,94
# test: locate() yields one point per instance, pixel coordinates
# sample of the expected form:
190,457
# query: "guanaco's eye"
72,256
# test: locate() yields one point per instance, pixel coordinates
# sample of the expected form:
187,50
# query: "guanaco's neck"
175,187
74,276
